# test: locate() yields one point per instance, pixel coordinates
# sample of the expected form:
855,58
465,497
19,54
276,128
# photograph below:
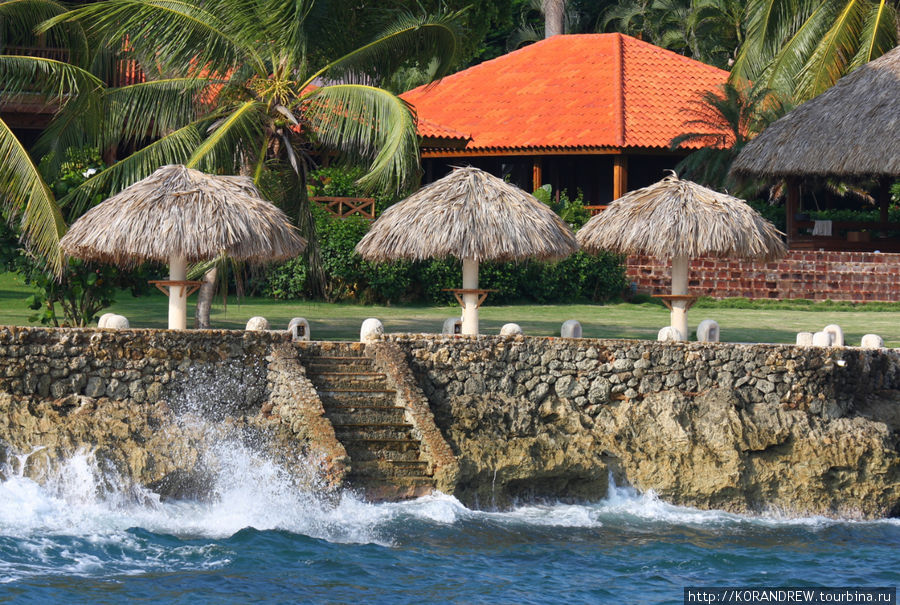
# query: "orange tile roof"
584,91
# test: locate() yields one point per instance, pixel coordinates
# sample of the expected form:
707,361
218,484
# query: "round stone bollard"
112,321
299,329
669,334
822,339
837,335
371,329
708,331
511,330
570,329
804,339
256,324
872,341
452,325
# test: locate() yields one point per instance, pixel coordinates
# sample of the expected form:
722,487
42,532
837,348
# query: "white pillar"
177,294
470,301
678,316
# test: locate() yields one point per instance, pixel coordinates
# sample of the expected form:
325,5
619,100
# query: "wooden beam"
537,176
792,207
620,176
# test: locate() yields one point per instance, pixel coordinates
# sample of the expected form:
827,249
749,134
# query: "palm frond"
19,18
368,123
179,34
173,148
153,108
26,194
228,137
879,34
769,23
832,55
45,79
411,39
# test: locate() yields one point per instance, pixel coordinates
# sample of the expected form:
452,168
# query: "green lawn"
342,321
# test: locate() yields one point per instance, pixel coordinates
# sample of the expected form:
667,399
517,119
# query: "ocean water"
82,536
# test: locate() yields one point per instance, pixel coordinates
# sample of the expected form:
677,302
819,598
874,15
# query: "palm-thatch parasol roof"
468,214
850,130
677,218
180,212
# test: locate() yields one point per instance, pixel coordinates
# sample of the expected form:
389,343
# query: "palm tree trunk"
204,299
554,11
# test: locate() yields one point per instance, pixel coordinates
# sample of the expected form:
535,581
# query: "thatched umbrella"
179,215
679,219
473,216
850,130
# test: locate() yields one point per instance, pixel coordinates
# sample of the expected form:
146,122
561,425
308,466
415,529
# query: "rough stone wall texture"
155,406
738,427
812,274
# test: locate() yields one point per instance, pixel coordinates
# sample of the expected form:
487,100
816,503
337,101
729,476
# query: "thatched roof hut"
468,214
850,130
180,212
679,220
473,216
675,218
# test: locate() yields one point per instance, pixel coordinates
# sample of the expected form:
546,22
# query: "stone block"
371,329
570,329
113,322
804,339
872,341
837,335
511,330
822,339
669,334
257,323
708,331
452,325
299,329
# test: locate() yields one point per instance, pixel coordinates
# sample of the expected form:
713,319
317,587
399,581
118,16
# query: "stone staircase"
385,455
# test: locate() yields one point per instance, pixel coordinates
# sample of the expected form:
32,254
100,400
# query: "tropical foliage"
799,48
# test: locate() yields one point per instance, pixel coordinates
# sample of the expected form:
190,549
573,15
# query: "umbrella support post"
679,308
177,294
470,299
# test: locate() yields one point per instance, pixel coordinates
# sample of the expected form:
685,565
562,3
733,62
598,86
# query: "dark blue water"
263,539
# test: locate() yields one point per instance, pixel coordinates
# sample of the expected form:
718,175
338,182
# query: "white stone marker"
112,321
299,329
372,329
708,331
452,325
669,334
837,335
511,330
570,329
872,341
255,324
804,339
822,339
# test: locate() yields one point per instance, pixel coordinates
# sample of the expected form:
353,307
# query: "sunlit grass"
760,323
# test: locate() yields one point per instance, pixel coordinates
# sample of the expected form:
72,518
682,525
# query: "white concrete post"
470,301
177,294
678,315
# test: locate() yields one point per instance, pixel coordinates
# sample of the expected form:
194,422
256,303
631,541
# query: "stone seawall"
746,428
799,430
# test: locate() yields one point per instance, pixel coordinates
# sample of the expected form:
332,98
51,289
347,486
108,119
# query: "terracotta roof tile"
573,91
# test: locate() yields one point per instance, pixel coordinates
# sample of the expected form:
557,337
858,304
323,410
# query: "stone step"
335,381
397,488
363,453
344,364
361,399
383,469
375,446
348,415
369,432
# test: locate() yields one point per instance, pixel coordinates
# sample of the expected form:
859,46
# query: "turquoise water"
81,537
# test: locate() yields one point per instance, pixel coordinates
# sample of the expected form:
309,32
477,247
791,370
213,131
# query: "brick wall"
816,275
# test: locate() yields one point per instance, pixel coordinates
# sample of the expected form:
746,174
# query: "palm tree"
724,123
243,86
802,47
36,81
